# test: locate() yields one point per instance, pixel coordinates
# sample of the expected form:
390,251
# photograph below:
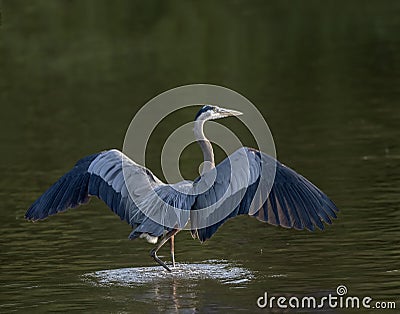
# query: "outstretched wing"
130,190
102,175
286,199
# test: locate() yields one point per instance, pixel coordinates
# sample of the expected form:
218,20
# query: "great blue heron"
292,200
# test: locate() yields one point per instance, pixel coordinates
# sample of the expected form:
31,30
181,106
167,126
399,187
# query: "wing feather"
98,175
112,176
275,194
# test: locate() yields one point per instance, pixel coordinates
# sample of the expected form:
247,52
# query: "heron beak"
228,112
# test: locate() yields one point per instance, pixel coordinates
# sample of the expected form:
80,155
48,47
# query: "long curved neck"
205,146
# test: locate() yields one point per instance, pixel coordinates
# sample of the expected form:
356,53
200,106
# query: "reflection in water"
171,295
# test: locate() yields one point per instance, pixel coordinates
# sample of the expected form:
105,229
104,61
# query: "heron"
292,201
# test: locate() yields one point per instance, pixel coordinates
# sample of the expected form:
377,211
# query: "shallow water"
326,77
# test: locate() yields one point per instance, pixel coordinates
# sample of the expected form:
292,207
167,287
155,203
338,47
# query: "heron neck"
205,145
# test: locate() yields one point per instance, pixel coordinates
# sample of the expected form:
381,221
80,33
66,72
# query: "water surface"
325,75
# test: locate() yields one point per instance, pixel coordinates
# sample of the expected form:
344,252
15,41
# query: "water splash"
220,270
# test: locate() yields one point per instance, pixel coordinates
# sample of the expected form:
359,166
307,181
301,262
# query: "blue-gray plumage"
291,201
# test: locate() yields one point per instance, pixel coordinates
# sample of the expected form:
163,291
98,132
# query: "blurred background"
326,77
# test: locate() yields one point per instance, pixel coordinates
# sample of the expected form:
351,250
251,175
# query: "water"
212,269
326,76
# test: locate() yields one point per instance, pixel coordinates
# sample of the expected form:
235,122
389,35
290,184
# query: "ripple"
222,271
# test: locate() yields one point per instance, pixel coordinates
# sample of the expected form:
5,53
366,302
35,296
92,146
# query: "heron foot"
153,254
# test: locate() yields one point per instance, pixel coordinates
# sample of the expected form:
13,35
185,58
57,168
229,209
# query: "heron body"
137,196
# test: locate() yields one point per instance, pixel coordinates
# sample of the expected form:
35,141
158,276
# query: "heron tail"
69,191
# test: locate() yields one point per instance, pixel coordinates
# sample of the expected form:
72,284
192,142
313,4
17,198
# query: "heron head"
209,112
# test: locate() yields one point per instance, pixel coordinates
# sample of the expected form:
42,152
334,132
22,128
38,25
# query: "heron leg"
172,247
153,252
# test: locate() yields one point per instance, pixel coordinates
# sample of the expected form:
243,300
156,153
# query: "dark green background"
325,75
